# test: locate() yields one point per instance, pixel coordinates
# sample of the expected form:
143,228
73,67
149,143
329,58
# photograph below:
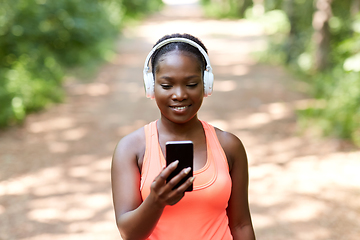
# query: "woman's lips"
180,108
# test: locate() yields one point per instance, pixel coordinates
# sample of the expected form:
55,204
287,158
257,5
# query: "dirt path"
54,175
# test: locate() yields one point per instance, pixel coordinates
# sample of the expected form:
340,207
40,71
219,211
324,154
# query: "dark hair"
180,46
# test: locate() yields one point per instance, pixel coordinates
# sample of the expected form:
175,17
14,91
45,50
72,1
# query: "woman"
146,205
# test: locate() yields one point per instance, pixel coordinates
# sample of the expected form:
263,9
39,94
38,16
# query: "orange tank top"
200,214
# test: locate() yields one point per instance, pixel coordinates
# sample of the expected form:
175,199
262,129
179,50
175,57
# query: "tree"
321,35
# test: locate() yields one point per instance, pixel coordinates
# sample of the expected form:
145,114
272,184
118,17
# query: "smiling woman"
179,89
149,207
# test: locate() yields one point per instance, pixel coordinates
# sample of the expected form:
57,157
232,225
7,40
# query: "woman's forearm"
245,232
138,224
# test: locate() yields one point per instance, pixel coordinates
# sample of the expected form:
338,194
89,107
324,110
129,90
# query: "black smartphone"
184,152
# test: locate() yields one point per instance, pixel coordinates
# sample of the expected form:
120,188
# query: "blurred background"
287,83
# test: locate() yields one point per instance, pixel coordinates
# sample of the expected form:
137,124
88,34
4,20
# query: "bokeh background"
287,84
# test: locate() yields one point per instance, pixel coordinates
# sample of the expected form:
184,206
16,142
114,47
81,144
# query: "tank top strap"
215,146
150,131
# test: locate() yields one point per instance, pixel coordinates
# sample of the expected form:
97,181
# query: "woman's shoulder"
135,136
227,139
132,144
232,146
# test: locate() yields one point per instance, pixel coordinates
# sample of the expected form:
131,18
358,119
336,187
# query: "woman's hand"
162,192
136,218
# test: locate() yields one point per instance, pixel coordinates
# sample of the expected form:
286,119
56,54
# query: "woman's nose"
179,94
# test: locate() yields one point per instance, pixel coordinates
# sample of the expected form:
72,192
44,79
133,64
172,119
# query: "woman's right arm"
135,218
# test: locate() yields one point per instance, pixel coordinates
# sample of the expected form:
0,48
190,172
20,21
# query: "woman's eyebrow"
166,78
193,76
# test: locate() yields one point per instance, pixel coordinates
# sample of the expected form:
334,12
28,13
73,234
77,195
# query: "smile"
179,108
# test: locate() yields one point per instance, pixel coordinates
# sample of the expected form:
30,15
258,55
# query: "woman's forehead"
179,52
176,55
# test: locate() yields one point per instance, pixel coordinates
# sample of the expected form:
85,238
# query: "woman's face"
179,89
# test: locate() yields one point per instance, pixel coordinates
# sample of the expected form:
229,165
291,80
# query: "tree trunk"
289,10
321,35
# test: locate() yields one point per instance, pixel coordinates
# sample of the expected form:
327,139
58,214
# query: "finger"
186,185
179,193
165,173
175,180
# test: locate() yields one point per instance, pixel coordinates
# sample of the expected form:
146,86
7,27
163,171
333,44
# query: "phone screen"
184,152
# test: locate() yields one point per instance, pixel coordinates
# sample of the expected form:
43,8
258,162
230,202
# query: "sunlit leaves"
290,25
41,39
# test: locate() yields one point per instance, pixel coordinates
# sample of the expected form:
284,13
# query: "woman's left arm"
238,208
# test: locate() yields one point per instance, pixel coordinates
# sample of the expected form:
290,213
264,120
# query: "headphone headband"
149,81
170,40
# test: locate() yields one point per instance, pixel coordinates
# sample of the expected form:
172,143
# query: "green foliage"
289,26
226,8
41,39
340,113
137,8
273,22
338,87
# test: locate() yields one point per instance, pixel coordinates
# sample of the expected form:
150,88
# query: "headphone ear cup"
149,82
208,83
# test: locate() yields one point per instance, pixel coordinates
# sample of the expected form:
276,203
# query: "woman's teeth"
179,108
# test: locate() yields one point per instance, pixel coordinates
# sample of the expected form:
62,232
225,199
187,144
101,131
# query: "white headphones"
149,81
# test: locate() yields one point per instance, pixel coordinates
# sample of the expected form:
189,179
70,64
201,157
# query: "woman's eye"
192,85
165,86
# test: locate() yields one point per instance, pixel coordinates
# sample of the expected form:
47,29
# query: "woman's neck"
180,131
